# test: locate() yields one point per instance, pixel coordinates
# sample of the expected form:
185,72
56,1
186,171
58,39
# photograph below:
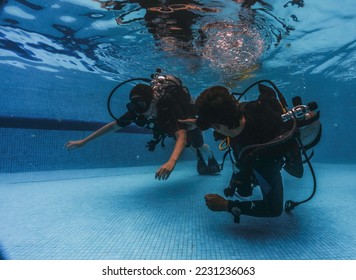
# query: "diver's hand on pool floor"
165,170
71,145
216,202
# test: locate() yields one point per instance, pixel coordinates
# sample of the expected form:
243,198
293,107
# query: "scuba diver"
263,138
158,106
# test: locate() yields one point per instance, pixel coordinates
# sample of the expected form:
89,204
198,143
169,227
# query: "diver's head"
140,98
218,109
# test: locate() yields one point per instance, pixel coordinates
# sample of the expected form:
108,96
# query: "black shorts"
195,138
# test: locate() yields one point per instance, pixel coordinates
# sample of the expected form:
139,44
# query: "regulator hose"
115,89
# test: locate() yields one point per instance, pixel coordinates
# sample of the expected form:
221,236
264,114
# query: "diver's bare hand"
71,145
216,202
165,170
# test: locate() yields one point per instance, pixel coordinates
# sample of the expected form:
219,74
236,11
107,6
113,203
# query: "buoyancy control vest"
173,102
303,121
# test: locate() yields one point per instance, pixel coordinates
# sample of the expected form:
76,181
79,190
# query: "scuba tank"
308,120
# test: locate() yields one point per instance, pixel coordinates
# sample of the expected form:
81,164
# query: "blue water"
59,61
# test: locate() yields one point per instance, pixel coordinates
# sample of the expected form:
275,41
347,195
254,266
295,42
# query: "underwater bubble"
232,47
94,15
67,19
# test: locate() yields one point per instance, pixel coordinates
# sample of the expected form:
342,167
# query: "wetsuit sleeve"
126,119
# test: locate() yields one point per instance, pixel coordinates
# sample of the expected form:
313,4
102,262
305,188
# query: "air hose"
281,98
290,204
116,88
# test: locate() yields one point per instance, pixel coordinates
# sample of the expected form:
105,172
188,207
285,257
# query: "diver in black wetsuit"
250,123
159,106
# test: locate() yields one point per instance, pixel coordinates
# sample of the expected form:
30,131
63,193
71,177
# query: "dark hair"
142,90
217,105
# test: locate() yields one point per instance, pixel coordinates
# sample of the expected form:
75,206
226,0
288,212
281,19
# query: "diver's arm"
108,128
165,170
179,147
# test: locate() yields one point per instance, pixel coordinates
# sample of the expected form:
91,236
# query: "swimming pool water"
60,60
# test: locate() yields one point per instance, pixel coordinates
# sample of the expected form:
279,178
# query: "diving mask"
138,104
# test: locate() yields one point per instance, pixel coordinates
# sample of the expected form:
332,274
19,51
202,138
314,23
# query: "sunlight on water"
230,38
233,48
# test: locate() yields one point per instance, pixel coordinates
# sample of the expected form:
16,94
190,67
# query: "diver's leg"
269,178
213,165
205,151
195,138
196,143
